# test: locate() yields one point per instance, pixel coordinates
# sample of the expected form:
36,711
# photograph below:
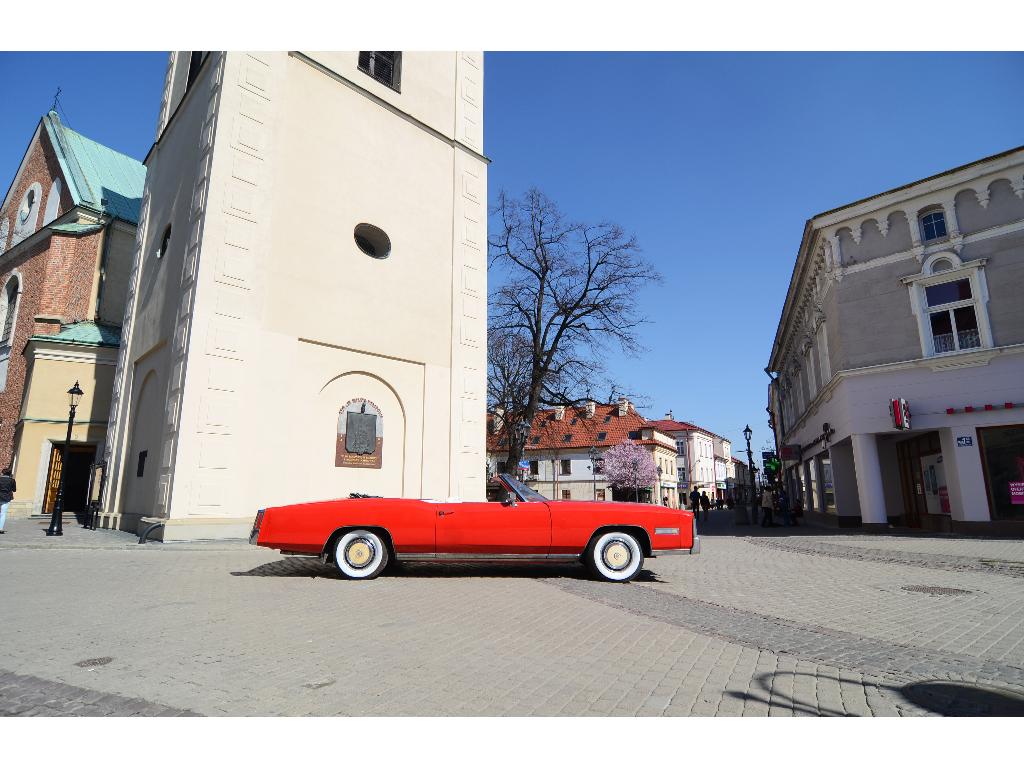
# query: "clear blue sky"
715,161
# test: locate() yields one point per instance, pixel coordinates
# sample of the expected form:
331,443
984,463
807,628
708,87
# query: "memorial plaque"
360,441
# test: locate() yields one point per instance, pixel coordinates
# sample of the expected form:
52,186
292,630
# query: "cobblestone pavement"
761,623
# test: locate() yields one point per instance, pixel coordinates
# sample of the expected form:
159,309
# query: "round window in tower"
373,241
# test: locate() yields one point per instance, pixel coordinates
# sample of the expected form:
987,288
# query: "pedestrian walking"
730,502
664,501
705,504
787,516
798,510
695,503
7,489
767,506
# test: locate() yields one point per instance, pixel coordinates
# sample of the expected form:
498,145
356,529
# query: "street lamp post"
56,523
522,432
742,518
657,498
593,467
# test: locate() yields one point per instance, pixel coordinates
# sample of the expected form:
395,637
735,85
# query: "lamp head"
75,394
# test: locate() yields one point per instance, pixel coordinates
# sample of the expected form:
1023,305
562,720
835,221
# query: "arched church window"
10,309
165,243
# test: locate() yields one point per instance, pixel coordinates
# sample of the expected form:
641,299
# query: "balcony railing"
968,340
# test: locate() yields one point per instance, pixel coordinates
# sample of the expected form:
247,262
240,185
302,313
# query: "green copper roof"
87,333
98,177
75,228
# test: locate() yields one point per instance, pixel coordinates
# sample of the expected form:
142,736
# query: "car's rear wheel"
360,555
614,556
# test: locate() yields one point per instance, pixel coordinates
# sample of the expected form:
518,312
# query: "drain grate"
94,662
928,590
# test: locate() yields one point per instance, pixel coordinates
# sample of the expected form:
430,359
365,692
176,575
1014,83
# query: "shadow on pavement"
942,697
312,568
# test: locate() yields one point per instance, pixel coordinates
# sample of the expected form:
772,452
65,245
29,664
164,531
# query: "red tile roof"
604,429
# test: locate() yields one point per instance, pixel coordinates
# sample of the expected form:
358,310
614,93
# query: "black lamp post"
747,434
522,432
658,498
56,524
593,467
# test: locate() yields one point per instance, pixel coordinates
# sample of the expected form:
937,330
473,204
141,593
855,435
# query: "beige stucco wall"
281,318
52,370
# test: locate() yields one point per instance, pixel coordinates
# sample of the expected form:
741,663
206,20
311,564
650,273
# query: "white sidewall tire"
596,557
376,563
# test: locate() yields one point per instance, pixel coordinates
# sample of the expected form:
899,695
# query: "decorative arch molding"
368,374
928,265
944,200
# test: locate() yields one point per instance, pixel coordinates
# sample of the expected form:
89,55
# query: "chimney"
668,415
591,409
498,421
623,406
560,413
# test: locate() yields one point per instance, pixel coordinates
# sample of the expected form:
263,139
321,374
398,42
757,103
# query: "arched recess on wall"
9,300
142,462
52,203
335,394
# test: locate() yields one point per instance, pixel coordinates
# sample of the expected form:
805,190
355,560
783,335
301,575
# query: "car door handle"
442,512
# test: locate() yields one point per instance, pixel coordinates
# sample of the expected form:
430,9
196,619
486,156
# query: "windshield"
524,492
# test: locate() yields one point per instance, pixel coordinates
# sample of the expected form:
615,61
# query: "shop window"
1002,456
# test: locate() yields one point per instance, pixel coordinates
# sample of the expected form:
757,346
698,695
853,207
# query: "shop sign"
1017,493
790,452
964,442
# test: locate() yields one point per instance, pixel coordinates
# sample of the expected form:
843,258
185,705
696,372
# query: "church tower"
307,308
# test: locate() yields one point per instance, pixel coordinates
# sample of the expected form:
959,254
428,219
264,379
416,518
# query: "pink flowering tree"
627,465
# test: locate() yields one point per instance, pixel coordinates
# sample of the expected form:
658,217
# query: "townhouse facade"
898,363
703,458
563,452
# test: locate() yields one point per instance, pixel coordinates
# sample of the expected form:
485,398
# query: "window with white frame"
933,225
951,316
950,300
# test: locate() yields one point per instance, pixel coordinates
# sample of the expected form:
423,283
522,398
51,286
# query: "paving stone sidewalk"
742,629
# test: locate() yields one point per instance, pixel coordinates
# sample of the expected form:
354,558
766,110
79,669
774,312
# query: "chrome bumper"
694,550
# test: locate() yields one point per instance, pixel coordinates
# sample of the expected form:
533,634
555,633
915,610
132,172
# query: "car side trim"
479,557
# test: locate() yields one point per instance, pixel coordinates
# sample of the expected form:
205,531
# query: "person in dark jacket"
695,503
705,504
7,489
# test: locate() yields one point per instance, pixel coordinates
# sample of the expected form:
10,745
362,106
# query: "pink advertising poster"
1017,492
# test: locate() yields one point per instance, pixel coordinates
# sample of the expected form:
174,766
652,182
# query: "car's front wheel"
360,555
614,556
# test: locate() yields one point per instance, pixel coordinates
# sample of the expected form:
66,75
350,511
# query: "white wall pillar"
844,482
869,481
965,478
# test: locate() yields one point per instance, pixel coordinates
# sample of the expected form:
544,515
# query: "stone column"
869,483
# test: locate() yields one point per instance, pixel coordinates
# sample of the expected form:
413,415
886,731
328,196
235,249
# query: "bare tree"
569,296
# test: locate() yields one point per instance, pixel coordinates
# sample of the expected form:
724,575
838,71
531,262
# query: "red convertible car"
360,535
